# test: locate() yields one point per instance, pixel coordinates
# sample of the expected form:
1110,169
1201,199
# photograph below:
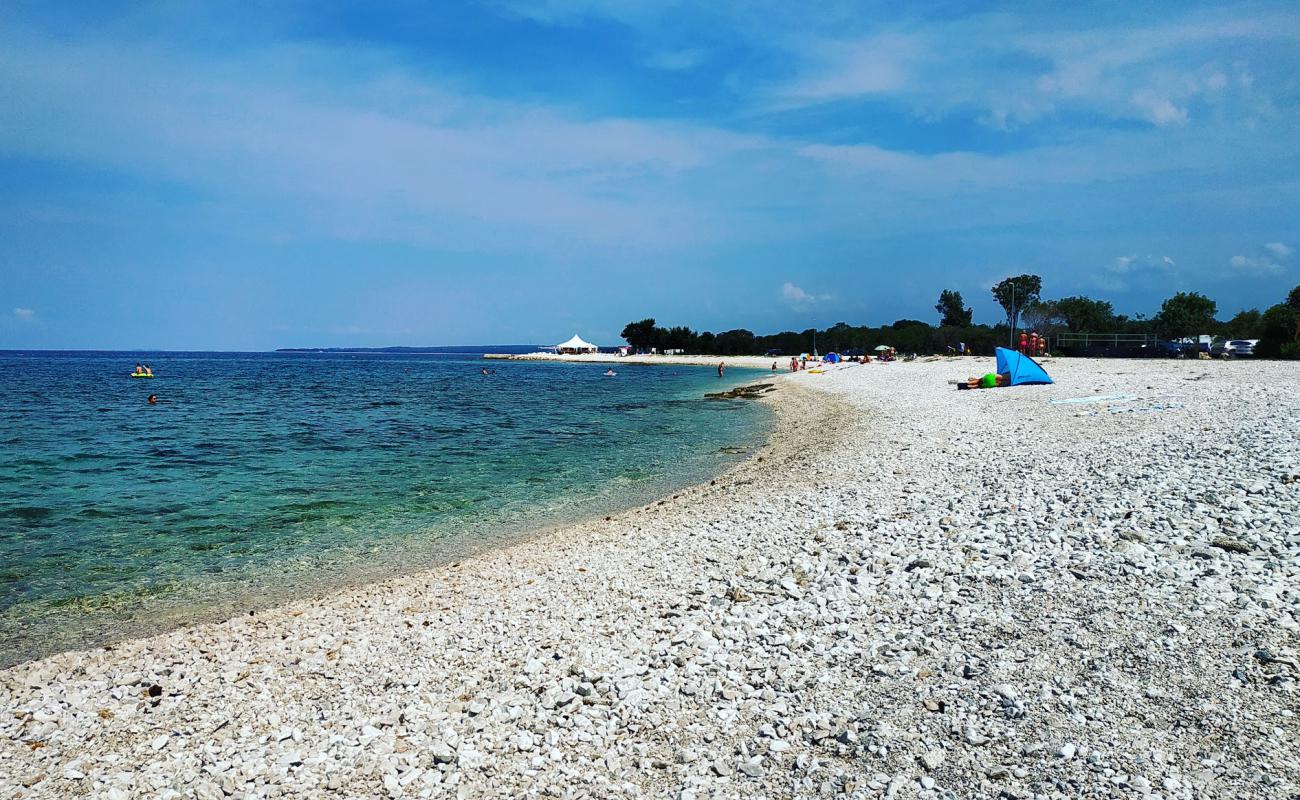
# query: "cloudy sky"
217,176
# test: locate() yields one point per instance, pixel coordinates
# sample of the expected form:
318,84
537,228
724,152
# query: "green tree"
1280,329
1245,325
640,335
1015,294
1043,316
1186,314
1085,315
737,342
952,310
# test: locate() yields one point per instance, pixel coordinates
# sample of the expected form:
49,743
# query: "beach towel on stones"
1021,368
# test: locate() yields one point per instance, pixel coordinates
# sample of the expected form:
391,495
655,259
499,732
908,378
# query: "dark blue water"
260,477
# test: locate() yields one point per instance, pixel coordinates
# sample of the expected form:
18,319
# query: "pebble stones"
917,591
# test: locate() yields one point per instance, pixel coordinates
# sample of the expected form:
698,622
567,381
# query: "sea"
257,478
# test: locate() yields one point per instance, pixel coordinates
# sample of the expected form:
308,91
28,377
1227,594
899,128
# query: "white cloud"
796,296
1159,110
676,60
24,314
844,69
1259,264
1134,263
1278,249
381,154
1267,262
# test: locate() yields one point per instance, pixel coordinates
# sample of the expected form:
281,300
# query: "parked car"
1233,348
1242,348
1166,350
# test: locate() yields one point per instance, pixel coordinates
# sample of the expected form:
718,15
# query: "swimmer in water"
153,400
722,367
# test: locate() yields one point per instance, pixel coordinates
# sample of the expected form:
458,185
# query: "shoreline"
276,600
908,589
260,593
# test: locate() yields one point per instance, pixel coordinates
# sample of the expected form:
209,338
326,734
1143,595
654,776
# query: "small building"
574,346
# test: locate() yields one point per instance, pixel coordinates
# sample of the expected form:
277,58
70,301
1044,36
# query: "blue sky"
201,176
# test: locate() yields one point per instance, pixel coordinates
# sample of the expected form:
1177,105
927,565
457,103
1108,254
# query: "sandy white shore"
916,592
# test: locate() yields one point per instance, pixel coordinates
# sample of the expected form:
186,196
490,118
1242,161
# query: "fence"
1107,344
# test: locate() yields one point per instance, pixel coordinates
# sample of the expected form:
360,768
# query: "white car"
1233,348
1241,348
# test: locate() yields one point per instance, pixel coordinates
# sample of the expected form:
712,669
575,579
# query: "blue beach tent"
1020,367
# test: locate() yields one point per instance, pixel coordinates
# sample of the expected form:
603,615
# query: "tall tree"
1246,325
1280,329
1083,314
1043,316
1186,314
952,310
640,335
1015,294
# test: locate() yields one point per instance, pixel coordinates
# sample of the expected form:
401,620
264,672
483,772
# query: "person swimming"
609,373
153,400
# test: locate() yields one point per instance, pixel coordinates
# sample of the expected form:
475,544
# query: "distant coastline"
510,349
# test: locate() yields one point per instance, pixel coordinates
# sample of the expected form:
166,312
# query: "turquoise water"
261,477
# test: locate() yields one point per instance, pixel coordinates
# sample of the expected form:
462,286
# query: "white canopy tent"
576,345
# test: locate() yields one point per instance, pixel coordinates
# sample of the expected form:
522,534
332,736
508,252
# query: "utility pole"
1012,343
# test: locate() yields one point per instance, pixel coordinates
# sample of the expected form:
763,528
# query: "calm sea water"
260,477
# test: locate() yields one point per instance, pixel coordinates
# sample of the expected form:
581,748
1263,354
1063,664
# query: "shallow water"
260,477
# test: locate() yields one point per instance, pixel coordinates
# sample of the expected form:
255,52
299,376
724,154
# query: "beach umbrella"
881,348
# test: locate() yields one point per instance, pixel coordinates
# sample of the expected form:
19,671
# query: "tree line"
1185,314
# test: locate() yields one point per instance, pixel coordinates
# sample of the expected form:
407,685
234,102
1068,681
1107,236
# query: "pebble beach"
910,591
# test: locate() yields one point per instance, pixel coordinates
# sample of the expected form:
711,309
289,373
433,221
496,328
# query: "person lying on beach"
988,381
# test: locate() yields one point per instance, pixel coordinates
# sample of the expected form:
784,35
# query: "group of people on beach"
801,362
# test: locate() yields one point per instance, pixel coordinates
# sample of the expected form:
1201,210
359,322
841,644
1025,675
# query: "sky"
180,175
